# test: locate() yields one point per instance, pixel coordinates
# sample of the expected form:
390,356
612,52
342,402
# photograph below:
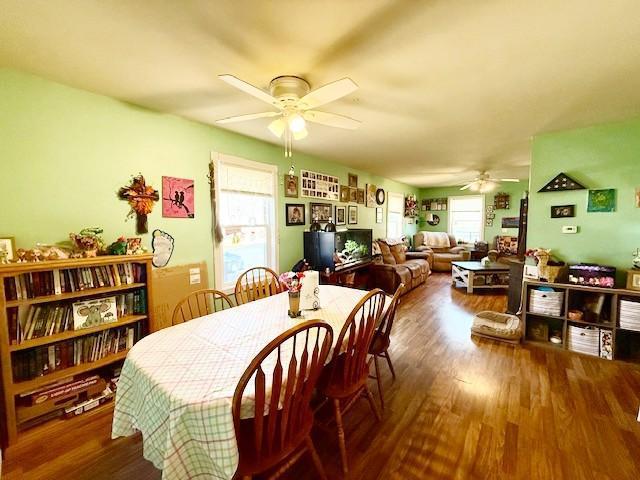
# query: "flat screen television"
337,250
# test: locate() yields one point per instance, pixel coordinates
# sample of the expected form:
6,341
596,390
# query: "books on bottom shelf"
590,340
630,315
40,361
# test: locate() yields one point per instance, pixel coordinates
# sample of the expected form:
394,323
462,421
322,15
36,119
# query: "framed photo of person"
353,214
291,186
341,215
353,195
344,194
353,180
8,245
321,211
294,213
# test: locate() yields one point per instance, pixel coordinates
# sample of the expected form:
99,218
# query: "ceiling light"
301,134
277,127
296,123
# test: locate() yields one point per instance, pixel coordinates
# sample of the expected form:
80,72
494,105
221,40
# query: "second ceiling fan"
484,183
295,103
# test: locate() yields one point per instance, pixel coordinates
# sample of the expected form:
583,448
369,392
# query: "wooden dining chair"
256,283
279,432
344,379
382,340
200,303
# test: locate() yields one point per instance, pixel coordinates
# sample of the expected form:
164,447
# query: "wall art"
321,212
319,186
563,211
603,200
370,195
295,214
177,197
341,215
353,180
290,186
561,183
162,245
141,198
353,214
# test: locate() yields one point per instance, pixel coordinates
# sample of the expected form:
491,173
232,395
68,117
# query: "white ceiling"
446,87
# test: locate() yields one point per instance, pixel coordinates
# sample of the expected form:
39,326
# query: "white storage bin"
546,303
583,339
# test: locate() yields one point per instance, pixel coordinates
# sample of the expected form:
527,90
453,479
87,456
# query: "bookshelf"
39,344
624,339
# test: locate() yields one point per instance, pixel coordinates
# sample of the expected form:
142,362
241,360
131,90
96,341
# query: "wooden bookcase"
10,347
625,342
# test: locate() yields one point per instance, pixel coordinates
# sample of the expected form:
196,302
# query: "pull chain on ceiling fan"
295,101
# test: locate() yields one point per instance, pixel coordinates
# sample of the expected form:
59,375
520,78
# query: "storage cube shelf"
609,327
41,347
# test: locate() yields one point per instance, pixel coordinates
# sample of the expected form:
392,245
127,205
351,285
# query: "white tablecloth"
177,384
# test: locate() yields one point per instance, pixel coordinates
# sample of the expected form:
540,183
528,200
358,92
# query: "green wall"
516,190
604,156
65,152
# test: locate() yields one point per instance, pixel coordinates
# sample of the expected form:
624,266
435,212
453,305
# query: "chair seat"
250,463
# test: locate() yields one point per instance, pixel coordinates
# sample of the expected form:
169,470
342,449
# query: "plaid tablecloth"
177,384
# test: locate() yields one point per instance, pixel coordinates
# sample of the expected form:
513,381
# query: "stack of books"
630,315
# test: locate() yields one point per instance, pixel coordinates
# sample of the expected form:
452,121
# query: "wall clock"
380,196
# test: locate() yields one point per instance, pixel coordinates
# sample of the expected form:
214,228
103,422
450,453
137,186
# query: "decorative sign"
602,200
177,197
320,186
562,183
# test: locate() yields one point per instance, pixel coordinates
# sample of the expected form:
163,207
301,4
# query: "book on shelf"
40,320
40,361
29,285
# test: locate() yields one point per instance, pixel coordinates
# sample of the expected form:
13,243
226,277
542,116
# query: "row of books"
56,282
40,361
41,320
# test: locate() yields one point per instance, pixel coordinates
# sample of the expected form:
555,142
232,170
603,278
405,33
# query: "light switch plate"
569,229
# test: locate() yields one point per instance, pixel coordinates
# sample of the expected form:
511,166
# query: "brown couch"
442,256
395,266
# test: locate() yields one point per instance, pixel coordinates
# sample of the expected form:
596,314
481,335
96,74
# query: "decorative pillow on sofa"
387,257
399,252
507,244
437,239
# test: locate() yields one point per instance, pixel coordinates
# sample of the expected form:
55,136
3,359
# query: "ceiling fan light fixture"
300,134
297,123
277,127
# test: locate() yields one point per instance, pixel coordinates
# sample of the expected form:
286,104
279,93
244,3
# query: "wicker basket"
546,302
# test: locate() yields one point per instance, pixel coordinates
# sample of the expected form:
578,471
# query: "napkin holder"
310,291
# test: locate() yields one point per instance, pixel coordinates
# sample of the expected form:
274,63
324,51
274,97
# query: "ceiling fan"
295,103
484,183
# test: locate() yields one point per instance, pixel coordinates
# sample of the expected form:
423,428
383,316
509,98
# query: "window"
466,217
246,201
395,215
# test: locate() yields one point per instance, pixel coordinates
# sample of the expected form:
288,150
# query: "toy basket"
546,302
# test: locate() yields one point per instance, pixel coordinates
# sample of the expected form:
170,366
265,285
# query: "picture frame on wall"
353,214
8,245
510,222
353,195
633,279
341,215
291,186
361,195
602,200
379,215
563,211
295,214
344,194
353,180
370,195
321,211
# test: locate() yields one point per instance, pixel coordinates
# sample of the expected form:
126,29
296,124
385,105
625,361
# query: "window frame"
389,211
450,212
218,250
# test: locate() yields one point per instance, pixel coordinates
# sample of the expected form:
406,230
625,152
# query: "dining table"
177,384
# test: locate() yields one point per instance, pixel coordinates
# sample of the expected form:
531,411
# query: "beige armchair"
442,256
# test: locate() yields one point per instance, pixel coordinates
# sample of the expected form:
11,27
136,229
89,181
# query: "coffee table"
473,275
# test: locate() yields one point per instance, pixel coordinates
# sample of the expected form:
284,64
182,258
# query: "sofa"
443,254
394,265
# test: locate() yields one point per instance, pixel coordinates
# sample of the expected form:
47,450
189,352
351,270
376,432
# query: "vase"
294,304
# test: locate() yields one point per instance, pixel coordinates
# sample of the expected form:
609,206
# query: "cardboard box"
172,284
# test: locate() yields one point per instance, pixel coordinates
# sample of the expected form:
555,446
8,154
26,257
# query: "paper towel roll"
310,291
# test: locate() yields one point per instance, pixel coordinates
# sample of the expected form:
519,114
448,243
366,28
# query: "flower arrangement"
141,198
292,281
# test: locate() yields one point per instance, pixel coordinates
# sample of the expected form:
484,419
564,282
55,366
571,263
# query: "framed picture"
294,214
321,211
8,244
353,214
633,279
341,215
353,180
370,195
353,195
177,197
344,194
91,313
318,185
602,200
290,186
379,215
361,195
510,222
563,211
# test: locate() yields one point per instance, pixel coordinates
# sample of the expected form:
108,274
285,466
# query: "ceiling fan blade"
514,180
467,186
331,119
328,93
250,89
250,116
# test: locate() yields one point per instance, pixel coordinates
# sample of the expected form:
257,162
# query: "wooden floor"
460,408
